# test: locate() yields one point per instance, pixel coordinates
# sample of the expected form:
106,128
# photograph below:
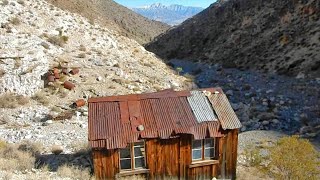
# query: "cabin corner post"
234,153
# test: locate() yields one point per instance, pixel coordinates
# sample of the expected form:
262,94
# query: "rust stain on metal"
55,71
113,121
80,103
65,71
56,75
74,71
51,78
68,85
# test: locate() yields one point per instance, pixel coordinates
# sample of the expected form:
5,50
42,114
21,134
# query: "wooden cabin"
164,135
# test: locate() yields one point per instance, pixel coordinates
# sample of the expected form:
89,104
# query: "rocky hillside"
173,14
49,58
272,36
116,17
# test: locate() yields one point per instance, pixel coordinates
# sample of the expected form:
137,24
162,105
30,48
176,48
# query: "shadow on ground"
79,160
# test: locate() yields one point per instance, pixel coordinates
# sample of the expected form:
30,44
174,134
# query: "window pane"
139,151
196,154
139,162
139,144
208,143
209,153
125,164
125,153
196,144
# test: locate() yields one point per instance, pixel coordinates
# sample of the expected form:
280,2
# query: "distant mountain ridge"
173,14
116,17
271,36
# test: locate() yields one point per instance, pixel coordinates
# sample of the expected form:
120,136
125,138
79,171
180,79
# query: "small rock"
265,123
47,123
275,121
229,92
300,76
56,149
99,78
306,129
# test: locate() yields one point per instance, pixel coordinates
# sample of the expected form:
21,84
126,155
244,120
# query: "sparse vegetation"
81,55
58,40
4,2
179,70
15,21
73,172
21,2
82,48
294,158
12,158
41,98
252,155
12,101
2,73
189,77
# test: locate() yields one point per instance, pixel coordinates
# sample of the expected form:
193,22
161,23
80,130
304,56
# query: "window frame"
131,147
203,148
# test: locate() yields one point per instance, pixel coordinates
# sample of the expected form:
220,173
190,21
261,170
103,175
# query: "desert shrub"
5,2
2,73
294,158
21,2
41,98
58,40
189,77
14,159
179,70
12,101
81,55
15,21
82,48
252,155
30,147
73,172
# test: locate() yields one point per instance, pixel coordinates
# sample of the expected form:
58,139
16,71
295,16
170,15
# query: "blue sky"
139,3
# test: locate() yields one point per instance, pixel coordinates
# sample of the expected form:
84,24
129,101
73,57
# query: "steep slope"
173,14
273,36
37,40
115,16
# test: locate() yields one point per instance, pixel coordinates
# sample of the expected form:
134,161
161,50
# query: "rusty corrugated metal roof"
114,121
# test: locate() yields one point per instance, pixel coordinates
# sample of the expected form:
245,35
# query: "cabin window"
133,156
203,149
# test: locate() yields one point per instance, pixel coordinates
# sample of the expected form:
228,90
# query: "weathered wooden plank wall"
170,159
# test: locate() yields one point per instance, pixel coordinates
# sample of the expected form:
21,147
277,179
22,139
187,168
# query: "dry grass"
2,73
15,21
81,55
41,98
11,158
21,2
58,40
73,172
82,48
12,101
189,77
4,2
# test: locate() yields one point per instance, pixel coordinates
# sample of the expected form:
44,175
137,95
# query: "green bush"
294,158
252,156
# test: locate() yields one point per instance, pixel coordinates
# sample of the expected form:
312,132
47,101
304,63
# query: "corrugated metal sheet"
223,109
113,121
201,107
